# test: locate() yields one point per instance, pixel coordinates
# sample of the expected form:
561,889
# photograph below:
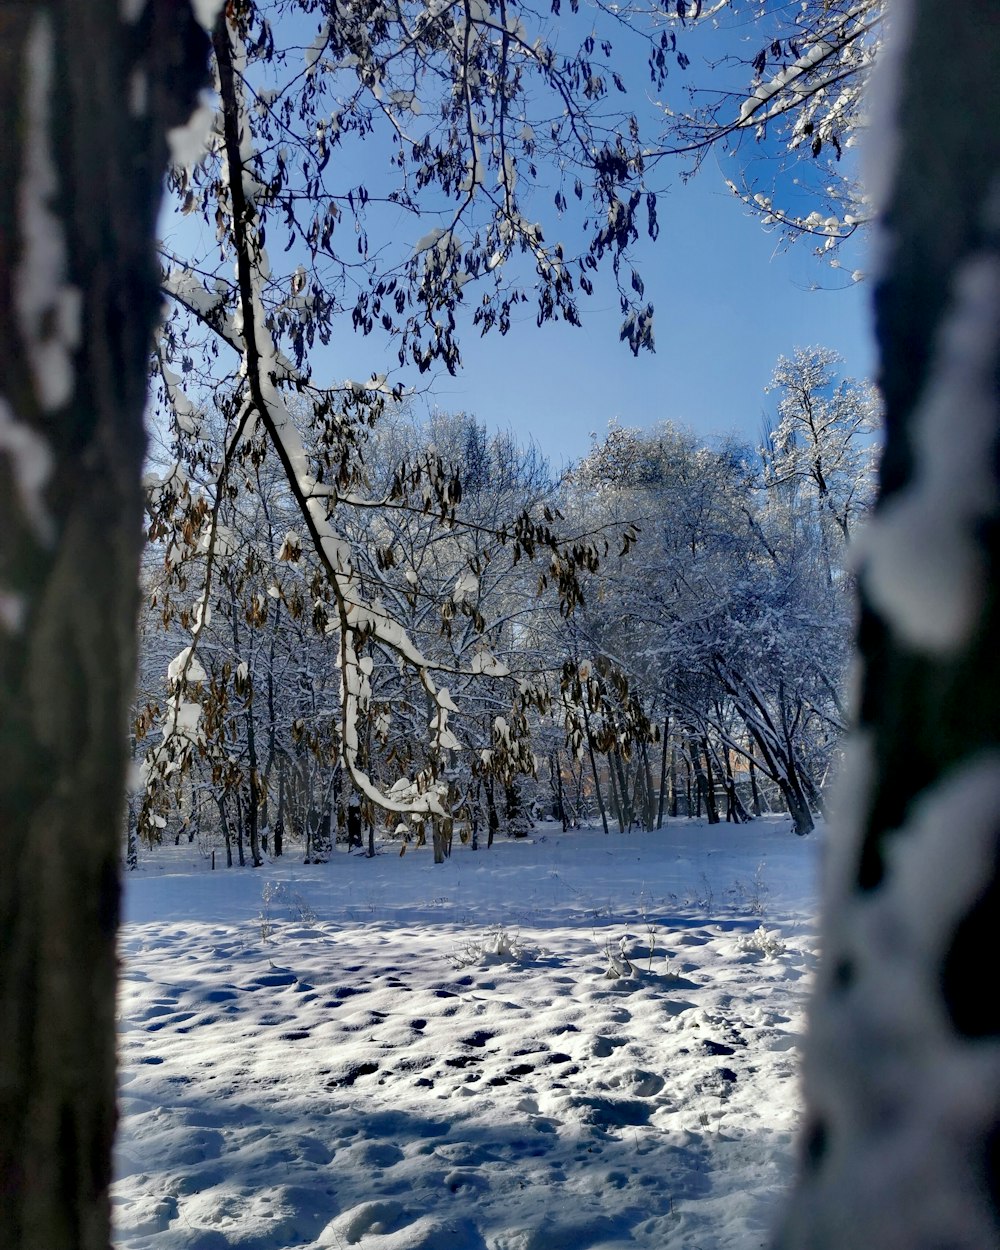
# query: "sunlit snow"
564,1043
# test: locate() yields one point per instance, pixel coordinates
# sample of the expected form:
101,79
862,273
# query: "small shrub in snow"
762,942
752,894
619,964
651,927
496,946
275,893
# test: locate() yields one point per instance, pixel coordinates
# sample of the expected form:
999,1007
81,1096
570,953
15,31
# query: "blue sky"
728,304
729,301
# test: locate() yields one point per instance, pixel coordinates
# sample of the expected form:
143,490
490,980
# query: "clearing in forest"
571,1042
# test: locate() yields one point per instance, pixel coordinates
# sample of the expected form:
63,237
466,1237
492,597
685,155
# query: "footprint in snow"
144,1215
380,1219
593,1232
479,1038
178,1018
352,1074
199,1146
274,979
462,1061
785,1041
157,1009
639,1083
520,1069
376,1154
460,1179
612,1112
602,1046
220,995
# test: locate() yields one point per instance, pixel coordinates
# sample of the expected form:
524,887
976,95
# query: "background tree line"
699,673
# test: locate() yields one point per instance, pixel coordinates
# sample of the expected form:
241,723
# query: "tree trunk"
240,824
649,821
355,839
624,805
307,824
736,813
593,768
132,840
796,789
798,808
323,834
616,799
557,786
755,793
902,1065
279,824
254,790
224,821
811,790
517,824
492,816
441,838
663,773
673,781
711,807
80,181
704,780
253,801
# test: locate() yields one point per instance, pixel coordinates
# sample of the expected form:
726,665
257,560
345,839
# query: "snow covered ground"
396,1056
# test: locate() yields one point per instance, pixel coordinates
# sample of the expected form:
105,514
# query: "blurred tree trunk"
649,793
555,772
756,805
616,800
84,109
661,799
279,824
674,790
492,815
902,1068
704,780
593,768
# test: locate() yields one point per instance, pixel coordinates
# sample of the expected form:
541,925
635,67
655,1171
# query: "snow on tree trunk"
84,117
902,1070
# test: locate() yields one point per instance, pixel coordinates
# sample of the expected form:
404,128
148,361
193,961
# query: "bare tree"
780,106
443,85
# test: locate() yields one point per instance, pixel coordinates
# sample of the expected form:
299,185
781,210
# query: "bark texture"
85,102
902,1070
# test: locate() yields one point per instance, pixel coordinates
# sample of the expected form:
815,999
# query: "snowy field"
396,1056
